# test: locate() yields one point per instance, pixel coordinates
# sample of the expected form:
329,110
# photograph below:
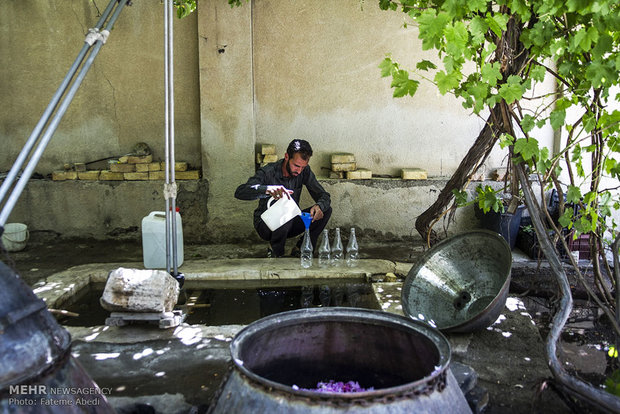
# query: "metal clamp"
94,35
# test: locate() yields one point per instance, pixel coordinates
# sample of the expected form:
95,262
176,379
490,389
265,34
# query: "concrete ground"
178,370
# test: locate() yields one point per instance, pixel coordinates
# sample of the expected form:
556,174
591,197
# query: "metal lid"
460,284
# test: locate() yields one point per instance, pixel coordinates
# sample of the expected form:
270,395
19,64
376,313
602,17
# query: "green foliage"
184,7
581,37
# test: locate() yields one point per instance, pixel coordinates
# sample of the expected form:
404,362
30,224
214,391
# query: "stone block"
137,290
107,175
359,174
187,175
123,159
342,158
414,174
136,176
145,159
122,168
157,175
64,175
180,166
270,158
336,174
79,166
259,158
89,175
267,149
344,166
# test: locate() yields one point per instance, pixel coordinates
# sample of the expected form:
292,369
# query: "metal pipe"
19,187
36,132
170,190
167,133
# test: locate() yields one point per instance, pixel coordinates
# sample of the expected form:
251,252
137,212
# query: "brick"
267,149
79,166
342,158
359,174
123,159
122,168
187,175
180,166
157,175
152,166
336,174
140,160
414,174
88,175
344,166
107,175
64,175
136,176
141,167
270,158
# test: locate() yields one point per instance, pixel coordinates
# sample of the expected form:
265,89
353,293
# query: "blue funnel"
307,219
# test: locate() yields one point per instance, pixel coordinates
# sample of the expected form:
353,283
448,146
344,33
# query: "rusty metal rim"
432,251
436,379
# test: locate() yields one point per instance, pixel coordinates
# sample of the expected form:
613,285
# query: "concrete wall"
120,102
266,72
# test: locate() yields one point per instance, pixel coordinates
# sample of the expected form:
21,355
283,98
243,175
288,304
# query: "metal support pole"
170,190
94,41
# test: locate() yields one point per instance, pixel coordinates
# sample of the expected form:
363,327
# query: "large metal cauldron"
37,372
461,284
405,361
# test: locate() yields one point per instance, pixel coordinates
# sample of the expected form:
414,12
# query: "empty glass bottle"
352,254
324,250
306,250
337,250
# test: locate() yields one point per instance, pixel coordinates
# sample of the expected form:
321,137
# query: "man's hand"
278,191
316,212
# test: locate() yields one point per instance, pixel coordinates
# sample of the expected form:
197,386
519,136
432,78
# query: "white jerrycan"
154,240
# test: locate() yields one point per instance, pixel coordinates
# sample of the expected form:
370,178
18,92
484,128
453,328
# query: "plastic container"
15,237
154,240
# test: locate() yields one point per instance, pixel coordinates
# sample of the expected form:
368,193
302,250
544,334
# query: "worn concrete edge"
61,286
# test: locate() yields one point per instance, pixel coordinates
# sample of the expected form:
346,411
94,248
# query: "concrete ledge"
59,287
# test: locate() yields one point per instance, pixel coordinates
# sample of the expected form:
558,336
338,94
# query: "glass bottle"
324,250
306,250
337,250
353,253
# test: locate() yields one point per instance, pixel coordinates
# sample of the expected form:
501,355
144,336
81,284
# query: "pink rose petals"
336,387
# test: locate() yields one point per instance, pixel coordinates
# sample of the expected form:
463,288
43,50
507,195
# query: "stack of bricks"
344,165
127,168
265,154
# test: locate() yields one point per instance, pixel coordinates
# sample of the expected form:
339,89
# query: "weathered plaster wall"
266,72
120,102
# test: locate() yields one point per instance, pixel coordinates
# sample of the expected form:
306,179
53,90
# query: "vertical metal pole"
167,132
172,157
170,185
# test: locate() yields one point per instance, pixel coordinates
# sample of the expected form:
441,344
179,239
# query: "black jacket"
271,174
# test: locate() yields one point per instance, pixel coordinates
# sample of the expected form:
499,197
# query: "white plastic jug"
154,240
279,212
